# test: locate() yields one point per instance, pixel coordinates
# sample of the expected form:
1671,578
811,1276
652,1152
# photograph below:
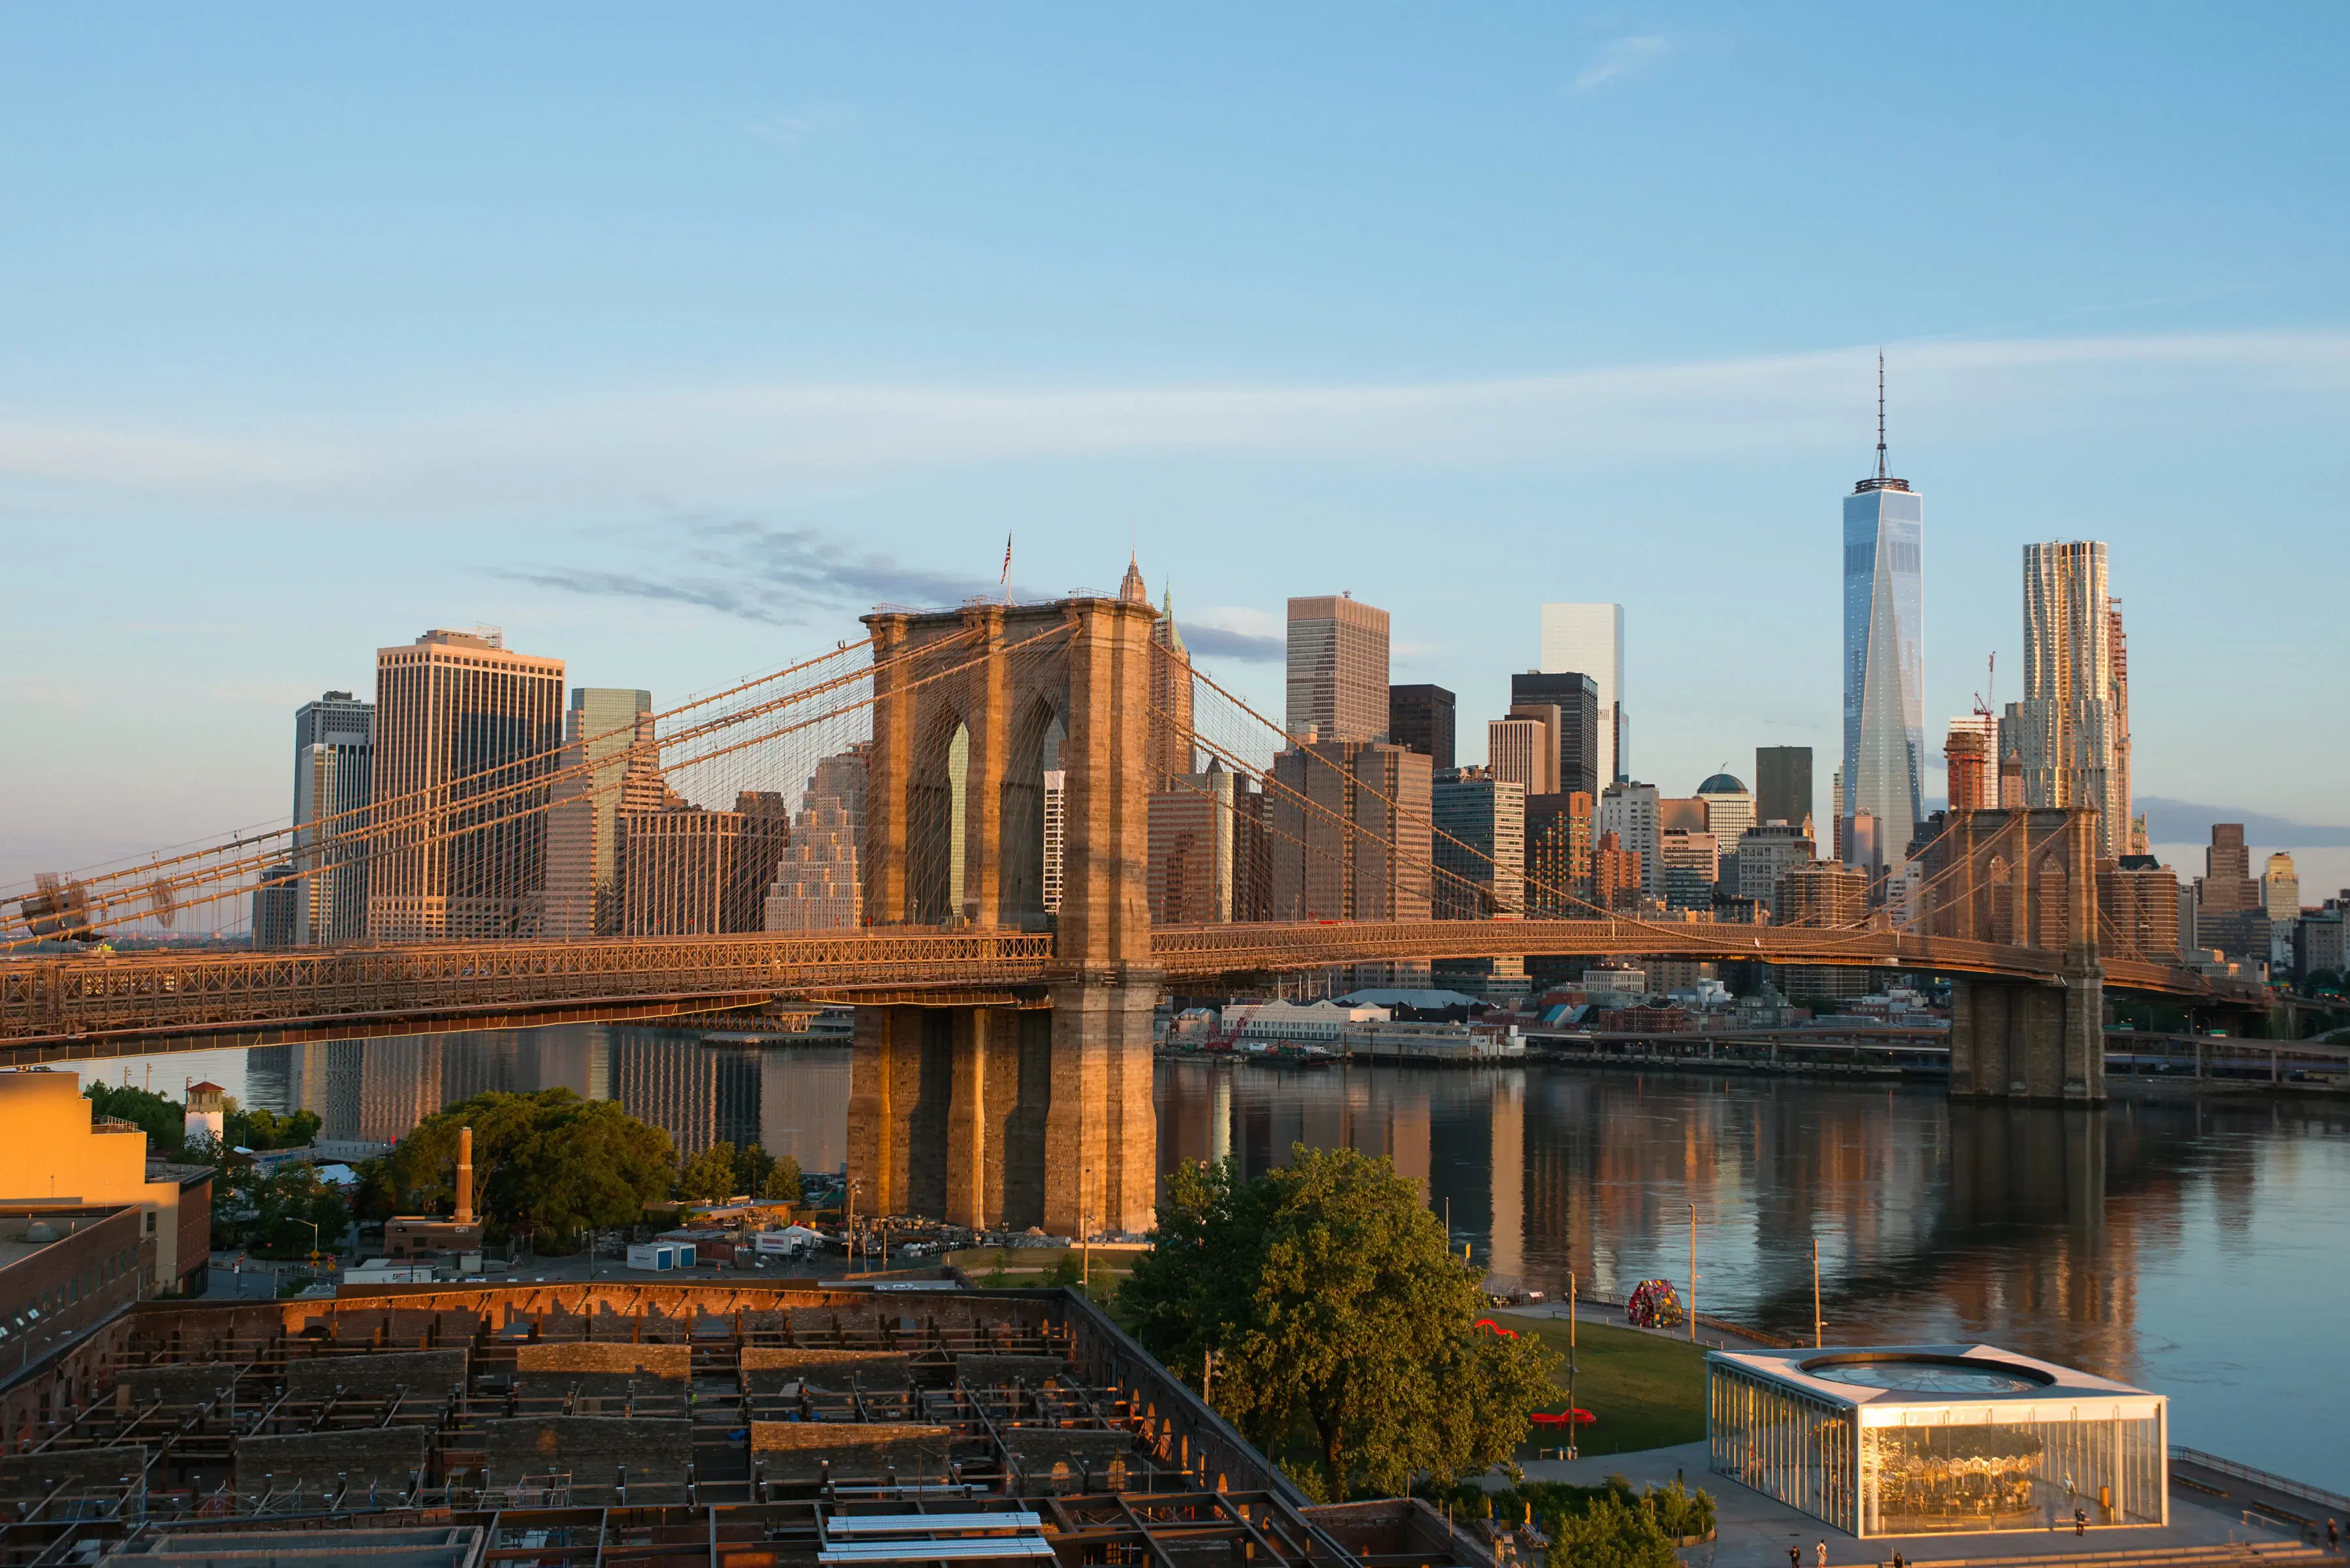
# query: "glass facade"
1884,663
1936,1442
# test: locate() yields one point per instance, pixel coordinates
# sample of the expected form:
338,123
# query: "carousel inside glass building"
1938,1440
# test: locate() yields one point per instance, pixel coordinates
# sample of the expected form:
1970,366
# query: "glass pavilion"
1937,1439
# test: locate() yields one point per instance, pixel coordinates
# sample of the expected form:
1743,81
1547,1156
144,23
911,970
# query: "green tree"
261,1127
709,1177
781,1184
1613,1533
164,1121
1336,1312
274,1212
545,1164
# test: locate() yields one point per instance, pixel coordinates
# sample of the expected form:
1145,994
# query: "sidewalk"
1754,1531
1710,1336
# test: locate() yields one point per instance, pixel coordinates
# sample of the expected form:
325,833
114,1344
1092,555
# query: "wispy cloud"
745,444
1252,636
781,576
1624,57
791,129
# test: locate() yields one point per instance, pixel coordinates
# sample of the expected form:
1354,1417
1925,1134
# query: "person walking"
2333,1537
1794,1556
1822,1555
2080,1520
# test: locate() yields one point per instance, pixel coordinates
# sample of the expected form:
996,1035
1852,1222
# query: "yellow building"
52,1152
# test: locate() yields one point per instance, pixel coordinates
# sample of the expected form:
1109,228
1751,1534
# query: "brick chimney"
464,1176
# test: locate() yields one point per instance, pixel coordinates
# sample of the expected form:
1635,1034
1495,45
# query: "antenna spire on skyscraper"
1881,473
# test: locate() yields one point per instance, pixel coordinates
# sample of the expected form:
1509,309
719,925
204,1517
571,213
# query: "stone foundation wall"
184,1383
769,1369
590,1447
986,1369
799,1451
376,1375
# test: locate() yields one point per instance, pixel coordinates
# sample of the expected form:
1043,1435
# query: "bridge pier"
2029,1040
1001,1117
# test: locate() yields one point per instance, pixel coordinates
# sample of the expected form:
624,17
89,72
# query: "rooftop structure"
1936,1439
904,1421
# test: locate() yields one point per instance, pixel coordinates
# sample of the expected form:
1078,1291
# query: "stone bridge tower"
2024,877
1013,1110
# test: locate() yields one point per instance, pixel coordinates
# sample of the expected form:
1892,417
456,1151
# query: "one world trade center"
1884,657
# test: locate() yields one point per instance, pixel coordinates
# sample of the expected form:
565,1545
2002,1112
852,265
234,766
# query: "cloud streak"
780,577
753,444
1624,57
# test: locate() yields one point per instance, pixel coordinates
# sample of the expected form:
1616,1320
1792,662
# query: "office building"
689,871
1822,894
2226,887
1194,829
816,885
602,729
1171,752
1576,697
1524,749
1480,848
1618,876
334,760
458,716
1348,833
1629,811
2281,888
1970,762
2137,907
275,902
1589,639
2061,735
1421,717
1766,854
1689,863
2118,703
1558,856
1884,654
1783,784
1729,810
1337,671
699,1095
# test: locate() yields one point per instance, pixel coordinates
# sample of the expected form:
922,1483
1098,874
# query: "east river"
2199,1248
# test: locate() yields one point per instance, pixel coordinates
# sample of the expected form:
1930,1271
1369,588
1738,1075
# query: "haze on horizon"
670,345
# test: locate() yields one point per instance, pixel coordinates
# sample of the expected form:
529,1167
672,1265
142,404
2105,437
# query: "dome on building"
1721,783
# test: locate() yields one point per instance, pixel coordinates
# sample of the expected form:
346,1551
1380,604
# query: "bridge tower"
2025,877
1013,1109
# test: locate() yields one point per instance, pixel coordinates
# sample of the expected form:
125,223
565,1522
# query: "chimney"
464,1176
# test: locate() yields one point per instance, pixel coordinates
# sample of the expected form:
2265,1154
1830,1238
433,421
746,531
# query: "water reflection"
2201,1248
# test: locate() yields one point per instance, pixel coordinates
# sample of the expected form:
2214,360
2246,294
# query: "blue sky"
670,344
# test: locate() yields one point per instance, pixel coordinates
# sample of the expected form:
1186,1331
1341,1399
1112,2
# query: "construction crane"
1984,697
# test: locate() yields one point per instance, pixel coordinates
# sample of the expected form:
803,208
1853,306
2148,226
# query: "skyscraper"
1480,848
460,717
1421,717
1523,750
1630,812
1582,736
2061,736
334,759
1783,784
1884,655
1170,696
1337,670
1589,639
583,896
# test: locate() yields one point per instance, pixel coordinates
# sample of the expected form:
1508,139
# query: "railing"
2179,1453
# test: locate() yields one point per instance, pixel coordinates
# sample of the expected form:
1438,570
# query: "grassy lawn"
1647,1392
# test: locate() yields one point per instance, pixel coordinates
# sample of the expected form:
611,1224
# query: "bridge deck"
55,1007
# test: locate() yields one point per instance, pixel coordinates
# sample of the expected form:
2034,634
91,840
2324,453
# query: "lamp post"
1570,1366
1815,1293
1692,1301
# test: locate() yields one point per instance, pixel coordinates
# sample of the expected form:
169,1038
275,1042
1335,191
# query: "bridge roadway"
67,1007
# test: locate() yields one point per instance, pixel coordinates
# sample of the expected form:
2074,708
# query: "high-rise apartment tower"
2062,737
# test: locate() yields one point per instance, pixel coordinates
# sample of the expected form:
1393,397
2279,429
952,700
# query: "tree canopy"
544,1163
165,1121
1337,1315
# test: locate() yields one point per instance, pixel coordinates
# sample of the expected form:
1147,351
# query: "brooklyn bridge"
995,932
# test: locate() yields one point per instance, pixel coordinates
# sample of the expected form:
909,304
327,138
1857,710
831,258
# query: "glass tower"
1884,660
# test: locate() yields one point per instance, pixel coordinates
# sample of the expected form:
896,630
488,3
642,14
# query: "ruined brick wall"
377,1374
590,1447
800,1451
767,1369
363,1456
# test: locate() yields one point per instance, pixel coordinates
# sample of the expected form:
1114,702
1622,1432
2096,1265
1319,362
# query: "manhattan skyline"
674,351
